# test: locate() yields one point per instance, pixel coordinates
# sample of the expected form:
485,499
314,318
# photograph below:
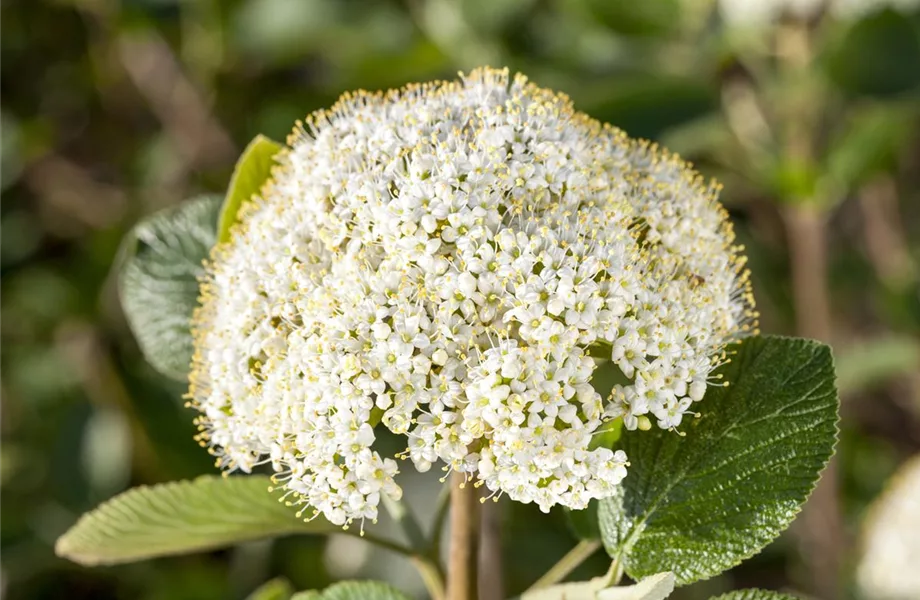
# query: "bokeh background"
807,111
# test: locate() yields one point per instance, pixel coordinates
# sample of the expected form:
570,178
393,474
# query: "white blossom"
453,260
889,544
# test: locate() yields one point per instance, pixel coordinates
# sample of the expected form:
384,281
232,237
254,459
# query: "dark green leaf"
160,262
646,107
878,55
583,523
628,17
252,170
701,503
182,517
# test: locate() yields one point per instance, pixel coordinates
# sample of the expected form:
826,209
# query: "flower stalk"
462,573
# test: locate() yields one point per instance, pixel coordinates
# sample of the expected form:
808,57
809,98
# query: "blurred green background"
806,111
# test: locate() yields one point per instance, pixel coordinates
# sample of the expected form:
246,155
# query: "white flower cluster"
453,261
889,544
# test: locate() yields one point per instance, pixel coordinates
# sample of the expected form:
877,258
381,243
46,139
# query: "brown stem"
464,542
805,231
491,586
820,526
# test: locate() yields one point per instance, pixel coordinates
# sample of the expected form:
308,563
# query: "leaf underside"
182,517
754,594
698,504
160,263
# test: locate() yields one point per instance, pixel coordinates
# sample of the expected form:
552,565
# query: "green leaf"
647,107
159,265
870,142
638,18
656,587
583,523
252,170
701,503
754,594
182,517
274,589
362,590
877,55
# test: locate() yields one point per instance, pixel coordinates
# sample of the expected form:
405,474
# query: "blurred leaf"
10,155
182,517
159,265
252,170
284,31
275,589
360,590
877,55
106,451
794,180
754,594
307,595
867,363
701,503
869,143
583,523
649,106
11,461
491,16
655,587
628,17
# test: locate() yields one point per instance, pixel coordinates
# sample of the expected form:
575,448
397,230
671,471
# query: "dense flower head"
454,260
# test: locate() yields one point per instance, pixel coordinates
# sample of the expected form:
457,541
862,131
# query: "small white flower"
443,260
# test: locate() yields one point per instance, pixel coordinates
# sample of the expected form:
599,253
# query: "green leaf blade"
362,590
159,266
182,517
699,504
252,170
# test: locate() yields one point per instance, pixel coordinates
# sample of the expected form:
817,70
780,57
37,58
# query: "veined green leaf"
182,517
754,594
362,590
252,170
701,503
159,265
